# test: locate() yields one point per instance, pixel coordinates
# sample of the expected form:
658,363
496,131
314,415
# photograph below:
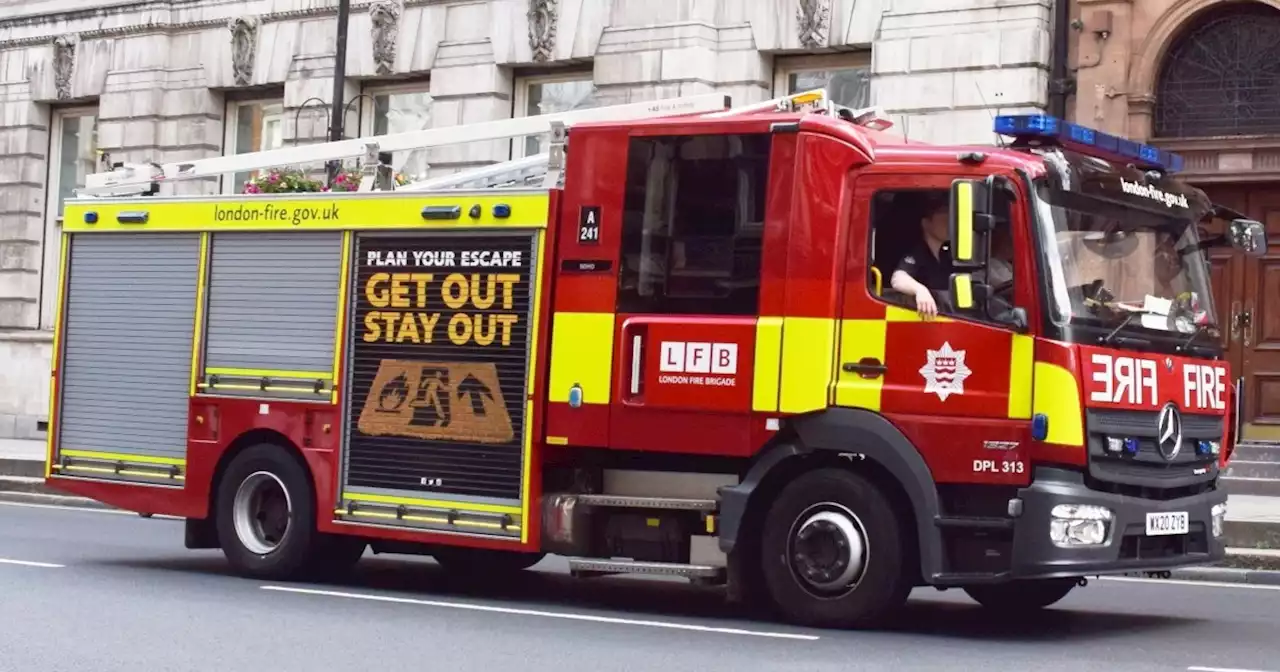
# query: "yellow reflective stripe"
428,519
964,291
808,349
430,503
900,314
1021,358
339,326
1058,396
268,388
964,218
535,321
269,373
313,212
581,353
197,329
54,389
122,457
767,371
859,339
525,460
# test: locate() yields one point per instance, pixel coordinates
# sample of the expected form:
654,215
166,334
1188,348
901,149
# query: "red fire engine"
682,353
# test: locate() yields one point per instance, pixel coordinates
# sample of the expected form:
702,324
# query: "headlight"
1219,514
1074,525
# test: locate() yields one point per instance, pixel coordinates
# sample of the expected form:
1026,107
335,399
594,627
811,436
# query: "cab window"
693,223
911,255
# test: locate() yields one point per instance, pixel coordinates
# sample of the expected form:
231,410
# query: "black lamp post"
337,116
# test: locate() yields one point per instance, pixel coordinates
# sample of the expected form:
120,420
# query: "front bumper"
1127,546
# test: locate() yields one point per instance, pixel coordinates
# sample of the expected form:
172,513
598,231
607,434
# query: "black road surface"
86,590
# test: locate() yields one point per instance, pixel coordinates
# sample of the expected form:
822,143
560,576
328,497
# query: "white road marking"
1221,669
1185,582
60,507
28,563
544,614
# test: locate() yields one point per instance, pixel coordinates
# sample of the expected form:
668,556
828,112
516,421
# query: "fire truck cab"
704,348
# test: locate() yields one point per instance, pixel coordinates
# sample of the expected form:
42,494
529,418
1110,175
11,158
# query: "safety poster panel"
439,348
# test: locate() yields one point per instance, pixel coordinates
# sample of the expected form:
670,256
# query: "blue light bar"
1051,130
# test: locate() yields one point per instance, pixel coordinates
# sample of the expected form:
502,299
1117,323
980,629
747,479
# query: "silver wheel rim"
261,512
827,550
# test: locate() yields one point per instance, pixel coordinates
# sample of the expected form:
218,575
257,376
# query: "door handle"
867,367
1235,321
637,347
1247,319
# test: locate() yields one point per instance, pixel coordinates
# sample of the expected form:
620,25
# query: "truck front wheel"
1021,596
266,516
833,551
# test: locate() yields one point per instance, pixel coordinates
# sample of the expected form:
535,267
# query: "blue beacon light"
1045,129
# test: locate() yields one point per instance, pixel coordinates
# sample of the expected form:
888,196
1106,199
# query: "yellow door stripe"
1058,396
1021,357
55,389
768,365
808,350
582,354
122,457
197,330
859,339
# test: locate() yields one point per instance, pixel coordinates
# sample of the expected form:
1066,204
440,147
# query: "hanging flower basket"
292,181
283,181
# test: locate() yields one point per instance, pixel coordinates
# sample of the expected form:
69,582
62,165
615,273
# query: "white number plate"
1173,522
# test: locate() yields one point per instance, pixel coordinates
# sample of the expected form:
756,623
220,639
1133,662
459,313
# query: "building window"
548,95
252,126
693,223
73,153
1212,84
399,109
846,77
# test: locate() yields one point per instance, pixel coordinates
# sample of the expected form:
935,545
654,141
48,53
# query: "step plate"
636,567
625,502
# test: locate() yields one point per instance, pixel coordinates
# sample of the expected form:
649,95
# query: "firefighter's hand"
925,305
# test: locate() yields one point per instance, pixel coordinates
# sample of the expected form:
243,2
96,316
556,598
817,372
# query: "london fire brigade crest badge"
944,371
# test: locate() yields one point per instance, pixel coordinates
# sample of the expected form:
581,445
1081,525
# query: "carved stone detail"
385,17
64,63
244,47
542,28
814,19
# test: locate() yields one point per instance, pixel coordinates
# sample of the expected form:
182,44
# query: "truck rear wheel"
1018,597
266,517
833,551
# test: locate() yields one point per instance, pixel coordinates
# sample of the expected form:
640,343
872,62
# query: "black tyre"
1019,597
266,516
834,553
482,562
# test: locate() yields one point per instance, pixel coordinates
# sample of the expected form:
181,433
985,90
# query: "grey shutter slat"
273,301
126,367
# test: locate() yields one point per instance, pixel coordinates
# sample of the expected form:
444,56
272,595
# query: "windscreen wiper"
1199,329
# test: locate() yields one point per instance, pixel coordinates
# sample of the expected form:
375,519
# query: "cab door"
689,277
958,385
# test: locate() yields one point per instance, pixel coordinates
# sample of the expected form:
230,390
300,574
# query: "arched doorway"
1218,88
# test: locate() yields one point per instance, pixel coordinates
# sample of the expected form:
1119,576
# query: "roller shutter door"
272,306
127,344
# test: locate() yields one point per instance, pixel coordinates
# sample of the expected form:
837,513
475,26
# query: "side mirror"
970,220
1248,236
967,292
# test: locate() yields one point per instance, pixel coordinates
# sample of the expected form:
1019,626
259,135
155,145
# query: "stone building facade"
84,83
1201,77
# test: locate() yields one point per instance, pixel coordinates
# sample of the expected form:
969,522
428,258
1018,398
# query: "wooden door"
1247,298
1260,328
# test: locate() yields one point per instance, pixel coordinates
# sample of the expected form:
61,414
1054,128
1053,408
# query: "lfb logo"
696,357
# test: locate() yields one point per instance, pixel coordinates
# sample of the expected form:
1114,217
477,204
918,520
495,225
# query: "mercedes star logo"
1169,428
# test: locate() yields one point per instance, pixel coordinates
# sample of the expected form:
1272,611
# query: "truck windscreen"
1122,249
